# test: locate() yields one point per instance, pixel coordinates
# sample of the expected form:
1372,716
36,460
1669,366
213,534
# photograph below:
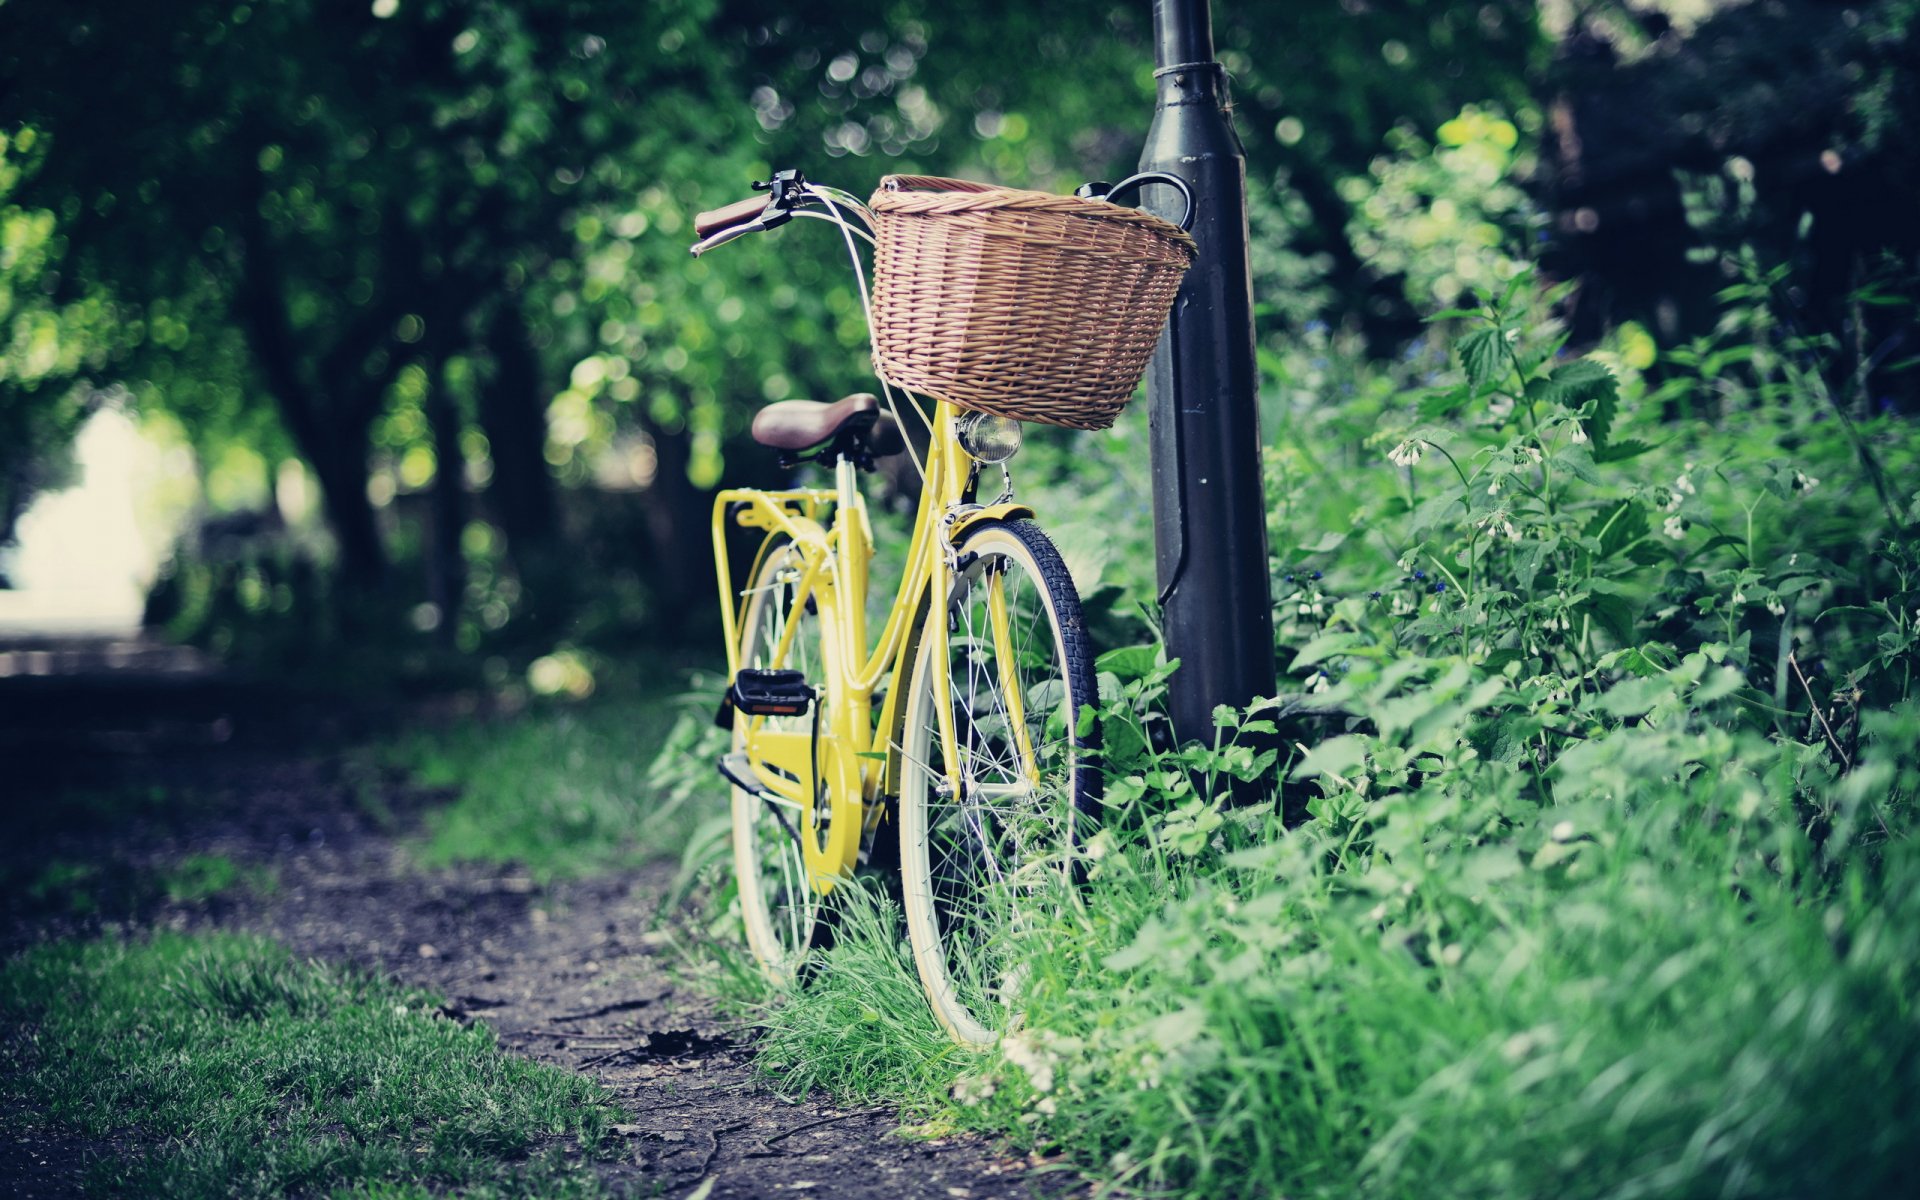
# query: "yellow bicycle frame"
859,751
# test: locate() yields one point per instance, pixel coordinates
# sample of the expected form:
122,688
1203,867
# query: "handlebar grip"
709,223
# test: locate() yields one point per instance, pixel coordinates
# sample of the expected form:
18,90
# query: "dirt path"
567,974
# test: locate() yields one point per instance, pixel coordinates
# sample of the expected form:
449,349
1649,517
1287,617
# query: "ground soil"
573,974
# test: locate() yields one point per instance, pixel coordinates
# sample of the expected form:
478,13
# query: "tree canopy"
382,237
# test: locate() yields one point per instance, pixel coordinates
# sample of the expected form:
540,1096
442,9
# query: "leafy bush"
1602,727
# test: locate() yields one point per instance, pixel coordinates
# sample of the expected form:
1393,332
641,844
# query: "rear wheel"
989,833
780,906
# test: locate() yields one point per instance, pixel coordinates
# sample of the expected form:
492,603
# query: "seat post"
846,482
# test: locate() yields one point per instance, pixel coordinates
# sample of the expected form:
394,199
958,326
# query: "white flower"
1532,453
1806,482
1022,1052
1493,488
1739,597
1579,434
1776,608
972,1089
1675,527
1406,453
1684,484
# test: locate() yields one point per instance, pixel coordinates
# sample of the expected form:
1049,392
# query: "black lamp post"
1209,512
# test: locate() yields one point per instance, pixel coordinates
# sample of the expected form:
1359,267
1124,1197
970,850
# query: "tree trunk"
677,516
340,464
446,563
513,414
331,437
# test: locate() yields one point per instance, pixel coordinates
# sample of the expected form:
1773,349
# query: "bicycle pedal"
771,693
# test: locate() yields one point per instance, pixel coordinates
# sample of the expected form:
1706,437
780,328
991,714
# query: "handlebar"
714,220
786,191
1107,191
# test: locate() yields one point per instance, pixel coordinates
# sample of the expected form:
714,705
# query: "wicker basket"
1023,304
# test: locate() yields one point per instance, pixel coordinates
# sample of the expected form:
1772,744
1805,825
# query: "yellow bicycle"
961,729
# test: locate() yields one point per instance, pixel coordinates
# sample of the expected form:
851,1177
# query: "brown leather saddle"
853,428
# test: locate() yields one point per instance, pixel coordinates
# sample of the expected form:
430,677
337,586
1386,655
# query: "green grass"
200,877
1650,988
238,1071
567,789
115,888
1600,730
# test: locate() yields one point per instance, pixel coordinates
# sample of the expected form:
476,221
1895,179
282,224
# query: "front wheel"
996,783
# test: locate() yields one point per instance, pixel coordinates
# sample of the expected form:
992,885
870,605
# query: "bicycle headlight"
988,438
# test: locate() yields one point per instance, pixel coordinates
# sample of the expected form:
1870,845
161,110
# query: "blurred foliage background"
406,280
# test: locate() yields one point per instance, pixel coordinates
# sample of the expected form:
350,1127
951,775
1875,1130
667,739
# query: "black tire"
974,863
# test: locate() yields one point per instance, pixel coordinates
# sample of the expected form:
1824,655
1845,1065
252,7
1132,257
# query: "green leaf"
1129,662
1577,462
1121,742
1874,611
1498,660
1434,510
1633,697
1335,756
1324,647
1633,660
1614,614
1621,451
1440,402
1520,279
1617,527
1720,540
1574,384
1482,354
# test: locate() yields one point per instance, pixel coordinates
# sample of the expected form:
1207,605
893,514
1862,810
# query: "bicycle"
965,722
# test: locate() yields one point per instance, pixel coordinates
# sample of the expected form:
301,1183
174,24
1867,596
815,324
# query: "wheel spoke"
979,855
778,902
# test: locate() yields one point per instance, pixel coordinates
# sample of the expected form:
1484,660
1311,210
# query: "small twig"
1794,662
781,1137
563,1035
713,1135
603,1010
611,1054
767,1143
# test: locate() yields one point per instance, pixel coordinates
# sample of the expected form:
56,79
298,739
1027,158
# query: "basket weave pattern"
1022,304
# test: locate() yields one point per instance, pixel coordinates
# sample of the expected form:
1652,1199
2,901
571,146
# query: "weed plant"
1601,726
564,790
231,1069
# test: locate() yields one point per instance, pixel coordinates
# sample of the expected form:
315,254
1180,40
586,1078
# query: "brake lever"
757,225
789,190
